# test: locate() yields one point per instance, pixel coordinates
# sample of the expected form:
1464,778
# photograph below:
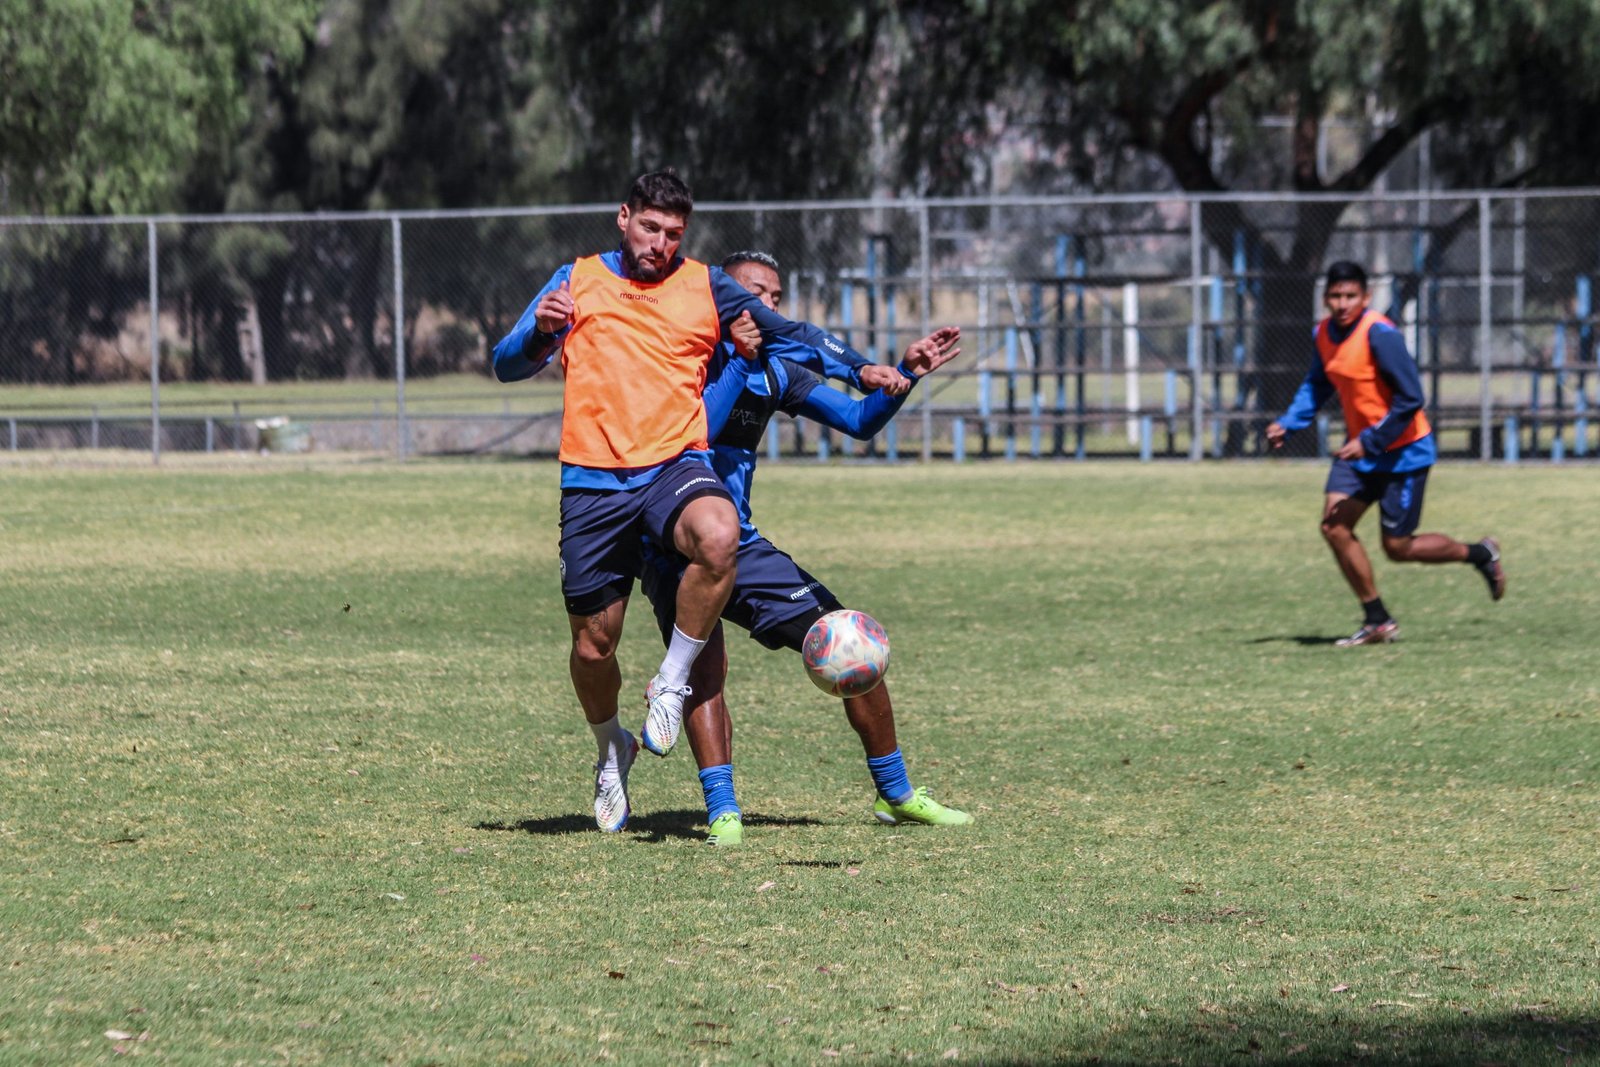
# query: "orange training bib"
635,361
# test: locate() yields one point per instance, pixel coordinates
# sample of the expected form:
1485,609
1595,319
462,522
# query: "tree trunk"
1285,316
280,360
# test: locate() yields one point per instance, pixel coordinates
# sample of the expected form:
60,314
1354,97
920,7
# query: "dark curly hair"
662,190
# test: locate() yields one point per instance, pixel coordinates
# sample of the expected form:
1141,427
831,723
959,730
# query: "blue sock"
889,775
717,782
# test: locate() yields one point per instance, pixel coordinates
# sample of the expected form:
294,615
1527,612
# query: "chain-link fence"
1106,326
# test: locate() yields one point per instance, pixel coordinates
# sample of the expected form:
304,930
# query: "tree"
1188,85
106,105
112,106
769,101
399,104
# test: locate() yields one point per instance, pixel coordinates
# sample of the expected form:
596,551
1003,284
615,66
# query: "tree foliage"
1504,91
109,106
747,100
119,105
113,106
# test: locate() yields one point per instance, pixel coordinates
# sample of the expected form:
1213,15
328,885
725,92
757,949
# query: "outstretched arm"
865,417
827,355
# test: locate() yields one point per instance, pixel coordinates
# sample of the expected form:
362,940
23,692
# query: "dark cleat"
1492,571
1371,634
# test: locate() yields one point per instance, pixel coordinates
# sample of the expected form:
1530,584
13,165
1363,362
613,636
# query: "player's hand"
555,309
876,376
928,354
1352,449
1275,436
746,335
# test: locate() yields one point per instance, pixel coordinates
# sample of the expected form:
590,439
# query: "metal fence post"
1130,356
1196,336
924,316
402,445
1485,297
155,347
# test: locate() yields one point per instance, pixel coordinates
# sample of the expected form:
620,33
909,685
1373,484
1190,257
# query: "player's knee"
708,533
593,649
717,546
1336,533
1397,549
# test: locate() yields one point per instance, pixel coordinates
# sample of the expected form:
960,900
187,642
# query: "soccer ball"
846,653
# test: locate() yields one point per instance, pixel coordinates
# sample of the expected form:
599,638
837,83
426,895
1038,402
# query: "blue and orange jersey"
1379,391
636,362
739,411
1367,399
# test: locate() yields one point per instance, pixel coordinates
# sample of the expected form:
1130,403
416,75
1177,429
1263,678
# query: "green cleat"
727,831
920,808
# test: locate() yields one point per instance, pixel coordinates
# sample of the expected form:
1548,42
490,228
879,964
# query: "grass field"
292,772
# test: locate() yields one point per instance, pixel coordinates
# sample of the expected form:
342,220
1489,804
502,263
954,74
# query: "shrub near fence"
1122,325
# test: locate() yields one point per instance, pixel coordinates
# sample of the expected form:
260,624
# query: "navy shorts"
603,532
771,594
1398,494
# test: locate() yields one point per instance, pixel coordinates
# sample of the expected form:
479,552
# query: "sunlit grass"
293,771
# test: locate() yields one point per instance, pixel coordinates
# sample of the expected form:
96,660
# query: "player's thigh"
688,508
1346,495
775,598
1400,507
600,548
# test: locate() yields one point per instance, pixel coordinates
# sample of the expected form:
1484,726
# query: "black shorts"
603,532
772,594
1398,494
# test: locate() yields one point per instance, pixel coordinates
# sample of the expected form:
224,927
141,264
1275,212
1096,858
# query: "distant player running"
773,597
1389,451
637,329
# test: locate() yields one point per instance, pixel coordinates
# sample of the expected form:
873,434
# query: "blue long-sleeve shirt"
1399,373
781,383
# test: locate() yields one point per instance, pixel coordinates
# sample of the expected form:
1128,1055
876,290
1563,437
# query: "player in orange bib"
636,329
1387,455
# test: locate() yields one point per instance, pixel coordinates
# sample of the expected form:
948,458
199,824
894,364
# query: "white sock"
612,738
681,655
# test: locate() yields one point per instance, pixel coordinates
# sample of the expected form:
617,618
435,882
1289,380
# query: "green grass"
292,771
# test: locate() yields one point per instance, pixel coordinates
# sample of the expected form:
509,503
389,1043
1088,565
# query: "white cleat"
665,717
611,809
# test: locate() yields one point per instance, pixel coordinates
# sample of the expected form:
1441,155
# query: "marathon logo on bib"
627,294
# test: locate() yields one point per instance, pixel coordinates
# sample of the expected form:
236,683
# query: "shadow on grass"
1299,639
556,824
656,826
1366,1034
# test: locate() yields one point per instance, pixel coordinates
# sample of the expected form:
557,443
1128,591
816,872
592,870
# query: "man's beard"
638,271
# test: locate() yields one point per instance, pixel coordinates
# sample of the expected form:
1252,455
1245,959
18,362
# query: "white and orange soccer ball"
846,653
